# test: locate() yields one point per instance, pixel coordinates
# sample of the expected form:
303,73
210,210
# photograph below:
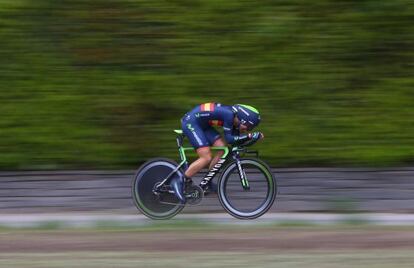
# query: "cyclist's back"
197,124
210,114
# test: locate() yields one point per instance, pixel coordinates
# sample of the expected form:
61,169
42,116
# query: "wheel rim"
146,200
247,204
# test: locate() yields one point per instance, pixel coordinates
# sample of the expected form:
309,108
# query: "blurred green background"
102,83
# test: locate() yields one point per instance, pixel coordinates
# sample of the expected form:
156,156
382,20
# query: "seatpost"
180,139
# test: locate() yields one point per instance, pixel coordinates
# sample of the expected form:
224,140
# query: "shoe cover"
177,186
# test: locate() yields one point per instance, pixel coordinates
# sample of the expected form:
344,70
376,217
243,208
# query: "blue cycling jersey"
198,124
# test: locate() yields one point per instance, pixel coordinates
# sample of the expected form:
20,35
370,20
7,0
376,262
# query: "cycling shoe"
177,186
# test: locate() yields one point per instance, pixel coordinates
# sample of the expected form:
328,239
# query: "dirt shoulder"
208,240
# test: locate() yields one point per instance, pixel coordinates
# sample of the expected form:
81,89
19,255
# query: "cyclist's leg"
198,139
216,140
218,143
205,157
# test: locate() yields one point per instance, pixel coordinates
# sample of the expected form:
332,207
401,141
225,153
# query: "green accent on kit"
250,108
190,127
178,131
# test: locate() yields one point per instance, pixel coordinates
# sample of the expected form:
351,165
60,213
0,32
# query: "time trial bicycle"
246,188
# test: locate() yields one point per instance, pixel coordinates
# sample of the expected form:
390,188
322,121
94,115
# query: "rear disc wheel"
158,206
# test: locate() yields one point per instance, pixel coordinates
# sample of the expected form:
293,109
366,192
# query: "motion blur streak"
92,84
91,89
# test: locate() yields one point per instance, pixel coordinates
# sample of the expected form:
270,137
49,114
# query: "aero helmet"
247,115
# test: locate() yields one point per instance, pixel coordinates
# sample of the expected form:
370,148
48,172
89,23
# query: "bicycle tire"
225,187
150,173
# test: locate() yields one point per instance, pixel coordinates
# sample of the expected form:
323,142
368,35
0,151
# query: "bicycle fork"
243,177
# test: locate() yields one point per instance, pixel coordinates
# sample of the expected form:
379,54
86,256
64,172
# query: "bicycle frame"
161,176
216,168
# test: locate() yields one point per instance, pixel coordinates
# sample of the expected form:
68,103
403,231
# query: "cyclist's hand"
256,136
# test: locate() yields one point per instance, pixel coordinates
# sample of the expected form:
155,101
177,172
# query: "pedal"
194,194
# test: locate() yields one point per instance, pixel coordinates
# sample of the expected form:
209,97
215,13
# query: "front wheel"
155,206
245,202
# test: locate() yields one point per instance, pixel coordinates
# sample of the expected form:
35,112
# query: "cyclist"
198,124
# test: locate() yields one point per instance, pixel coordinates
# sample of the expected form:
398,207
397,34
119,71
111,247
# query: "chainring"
194,194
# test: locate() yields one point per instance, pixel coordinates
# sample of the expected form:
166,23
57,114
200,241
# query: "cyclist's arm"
231,139
229,133
253,138
244,139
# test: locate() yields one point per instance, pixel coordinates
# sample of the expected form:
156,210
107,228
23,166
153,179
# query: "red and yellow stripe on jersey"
215,123
207,107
